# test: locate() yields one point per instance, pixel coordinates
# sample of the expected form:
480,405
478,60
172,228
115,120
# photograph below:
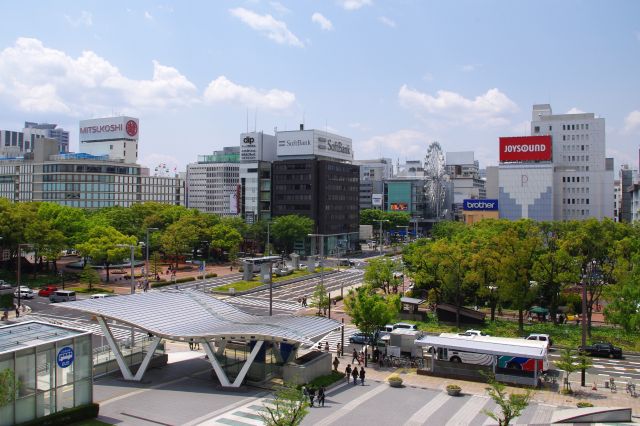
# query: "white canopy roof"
189,314
487,345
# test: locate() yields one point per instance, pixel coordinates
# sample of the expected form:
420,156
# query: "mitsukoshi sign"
110,128
526,148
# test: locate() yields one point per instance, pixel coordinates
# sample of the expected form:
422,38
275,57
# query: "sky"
393,75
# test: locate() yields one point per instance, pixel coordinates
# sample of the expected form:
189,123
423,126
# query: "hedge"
68,416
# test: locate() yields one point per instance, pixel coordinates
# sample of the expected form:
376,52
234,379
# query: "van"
62,296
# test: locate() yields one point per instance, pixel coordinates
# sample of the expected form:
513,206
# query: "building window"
536,129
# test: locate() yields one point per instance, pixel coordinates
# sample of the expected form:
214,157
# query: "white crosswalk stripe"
336,336
248,414
281,305
468,411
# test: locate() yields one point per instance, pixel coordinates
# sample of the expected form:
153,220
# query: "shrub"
326,380
211,275
394,378
584,404
68,416
453,388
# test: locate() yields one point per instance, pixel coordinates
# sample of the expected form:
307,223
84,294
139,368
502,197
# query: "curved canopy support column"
222,376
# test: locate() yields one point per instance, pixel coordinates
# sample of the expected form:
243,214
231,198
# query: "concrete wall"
304,373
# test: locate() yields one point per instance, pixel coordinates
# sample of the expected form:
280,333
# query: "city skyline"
393,76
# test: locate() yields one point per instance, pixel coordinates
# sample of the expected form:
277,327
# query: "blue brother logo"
65,357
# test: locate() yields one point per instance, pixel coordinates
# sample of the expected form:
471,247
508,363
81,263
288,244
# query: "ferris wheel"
162,170
435,179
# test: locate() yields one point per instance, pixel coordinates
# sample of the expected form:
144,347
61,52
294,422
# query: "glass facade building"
52,367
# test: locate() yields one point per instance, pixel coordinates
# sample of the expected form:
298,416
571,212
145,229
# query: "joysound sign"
527,148
65,357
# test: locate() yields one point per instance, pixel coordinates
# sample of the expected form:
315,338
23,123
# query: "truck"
366,232
405,340
603,349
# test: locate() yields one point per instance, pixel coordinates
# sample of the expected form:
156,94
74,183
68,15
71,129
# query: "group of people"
357,356
311,394
326,346
355,373
193,345
303,301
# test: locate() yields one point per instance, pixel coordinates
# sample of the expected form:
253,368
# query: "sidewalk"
600,397
24,310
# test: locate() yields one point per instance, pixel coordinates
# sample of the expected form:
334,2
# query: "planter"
453,392
395,383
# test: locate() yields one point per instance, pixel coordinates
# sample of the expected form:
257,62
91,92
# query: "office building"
116,137
213,183
52,131
623,190
582,175
373,174
257,152
15,144
465,181
82,180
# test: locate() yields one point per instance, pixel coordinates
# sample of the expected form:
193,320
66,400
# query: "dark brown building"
325,191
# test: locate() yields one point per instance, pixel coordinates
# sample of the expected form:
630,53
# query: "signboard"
295,143
233,203
480,205
401,207
314,142
65,357
249,147
527,148
376,200
110,128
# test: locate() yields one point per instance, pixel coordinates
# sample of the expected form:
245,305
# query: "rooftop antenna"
255,119
247,119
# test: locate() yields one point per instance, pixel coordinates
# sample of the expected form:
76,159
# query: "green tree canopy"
286,230
369,311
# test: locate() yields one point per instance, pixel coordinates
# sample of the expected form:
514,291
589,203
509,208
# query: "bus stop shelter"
192,316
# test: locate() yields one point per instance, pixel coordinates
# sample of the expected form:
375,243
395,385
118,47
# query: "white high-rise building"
213,183
582,175
116,137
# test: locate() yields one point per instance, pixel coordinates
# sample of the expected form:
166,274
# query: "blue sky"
392,75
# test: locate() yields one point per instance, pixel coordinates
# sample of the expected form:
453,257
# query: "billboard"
249,147
295,143
480,205
525,148
399,207
109,128
314,142
233,203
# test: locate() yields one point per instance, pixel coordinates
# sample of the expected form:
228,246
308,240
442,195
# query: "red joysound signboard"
525,148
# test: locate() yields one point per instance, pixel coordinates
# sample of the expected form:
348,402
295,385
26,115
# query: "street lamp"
588,271
492,288
268,239
381,221
18,272
146,271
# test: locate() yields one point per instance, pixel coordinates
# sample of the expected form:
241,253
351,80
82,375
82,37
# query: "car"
405,325
602,349
62,296
473,333
99,296
541,338
360,338
47,290
23,292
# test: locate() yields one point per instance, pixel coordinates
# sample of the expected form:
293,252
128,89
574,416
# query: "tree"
286,230
454,267
288,407
89,276
511,405
154,269
8,386
225,238
380,274
320,298
569,362
105,245
370,311
179,238
623,308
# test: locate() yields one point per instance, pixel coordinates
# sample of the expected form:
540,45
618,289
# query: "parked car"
473,333
47,290
100,295
360,338
603,349
541,338
23,292
62,296
405,325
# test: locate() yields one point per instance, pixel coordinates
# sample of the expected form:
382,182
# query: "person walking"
354,357
338,349
354,374
347,372
321,396
362,374
336,362
326,346
312,395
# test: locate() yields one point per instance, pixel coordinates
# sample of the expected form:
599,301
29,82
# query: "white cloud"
387,21
632,122
324,23
223,90
489,108
353,4
148,16
40,79
267,24
427,76
279,7
85,19
575,110
403,143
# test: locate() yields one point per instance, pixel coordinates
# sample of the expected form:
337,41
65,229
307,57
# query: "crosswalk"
248,414
335,337
259,302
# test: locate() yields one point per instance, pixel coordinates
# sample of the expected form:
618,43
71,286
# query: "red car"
46,291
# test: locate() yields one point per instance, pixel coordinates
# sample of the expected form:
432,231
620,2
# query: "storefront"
52,369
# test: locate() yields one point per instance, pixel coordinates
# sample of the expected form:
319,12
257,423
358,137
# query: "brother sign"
480,205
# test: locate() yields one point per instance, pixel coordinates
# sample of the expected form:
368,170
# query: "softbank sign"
480,205
527,148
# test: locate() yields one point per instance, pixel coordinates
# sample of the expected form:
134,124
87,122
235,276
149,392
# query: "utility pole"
146,271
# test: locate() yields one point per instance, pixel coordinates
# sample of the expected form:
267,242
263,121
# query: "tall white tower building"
582,175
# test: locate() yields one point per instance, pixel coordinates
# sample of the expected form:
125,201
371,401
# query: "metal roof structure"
188,314
487,345
28,334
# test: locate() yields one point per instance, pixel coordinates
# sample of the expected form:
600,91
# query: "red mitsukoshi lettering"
105,128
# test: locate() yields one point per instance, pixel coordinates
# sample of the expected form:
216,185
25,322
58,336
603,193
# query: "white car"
405,325
474,333
23,292
541,338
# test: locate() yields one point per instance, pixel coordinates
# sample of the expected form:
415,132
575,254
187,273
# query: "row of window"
584,137
575,212
293,187
575,179
575,158
90,168
576,190
78,178
575,201
575,147
582,126
293,197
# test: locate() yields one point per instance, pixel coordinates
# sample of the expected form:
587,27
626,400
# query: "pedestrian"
347,372
300,301
376,354
312,395
336,362
319,346
321,396
17,311
338,349
354,374
190,344
231,268
305,391
362,374
326,346
354,357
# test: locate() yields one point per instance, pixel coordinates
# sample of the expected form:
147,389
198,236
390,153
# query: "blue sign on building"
65,357
480,205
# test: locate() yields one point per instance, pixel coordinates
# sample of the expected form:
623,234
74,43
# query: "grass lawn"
91,422
248,285
87,290
569,335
